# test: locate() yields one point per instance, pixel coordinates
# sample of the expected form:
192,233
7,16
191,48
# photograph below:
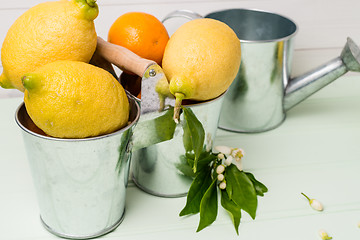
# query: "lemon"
201,59
49,31
73,99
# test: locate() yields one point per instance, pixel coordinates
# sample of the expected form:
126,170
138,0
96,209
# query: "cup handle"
183,13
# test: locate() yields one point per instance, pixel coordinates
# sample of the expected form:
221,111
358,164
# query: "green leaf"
165,125
154,129
232,208
124,149
196,192
229,186
187,161
205,159
194,135
208,207
187,140
259,187
242,190
184,167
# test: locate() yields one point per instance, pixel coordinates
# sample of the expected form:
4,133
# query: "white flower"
222,185
220,169
324,235
220,177
228,161
358,224
220,156
223,149
238,164
237,153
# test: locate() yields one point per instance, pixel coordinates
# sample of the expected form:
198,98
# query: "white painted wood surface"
316,151
323,25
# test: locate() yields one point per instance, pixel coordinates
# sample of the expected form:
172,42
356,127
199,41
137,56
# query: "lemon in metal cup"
72,99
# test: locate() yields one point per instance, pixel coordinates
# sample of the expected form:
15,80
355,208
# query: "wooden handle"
122,57
101,62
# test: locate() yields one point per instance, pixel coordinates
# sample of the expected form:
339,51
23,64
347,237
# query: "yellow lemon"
201,59
49,31
72,99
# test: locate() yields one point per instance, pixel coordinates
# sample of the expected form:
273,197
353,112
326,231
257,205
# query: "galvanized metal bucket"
254,102
155,168
80,183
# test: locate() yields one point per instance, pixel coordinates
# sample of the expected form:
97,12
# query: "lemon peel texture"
72,99
203,57
47,32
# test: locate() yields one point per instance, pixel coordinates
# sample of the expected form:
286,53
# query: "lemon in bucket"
72,99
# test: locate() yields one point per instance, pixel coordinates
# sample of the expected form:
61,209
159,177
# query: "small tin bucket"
80,183
155,168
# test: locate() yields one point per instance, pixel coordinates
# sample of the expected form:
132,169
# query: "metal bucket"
155,168
254,102
80,183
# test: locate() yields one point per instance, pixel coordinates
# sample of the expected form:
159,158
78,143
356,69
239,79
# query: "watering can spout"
302,87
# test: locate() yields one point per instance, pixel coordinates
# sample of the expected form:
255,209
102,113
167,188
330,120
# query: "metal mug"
80,183
262,91
156,167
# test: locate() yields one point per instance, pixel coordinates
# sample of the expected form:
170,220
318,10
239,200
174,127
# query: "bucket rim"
133,123
196,103
261,11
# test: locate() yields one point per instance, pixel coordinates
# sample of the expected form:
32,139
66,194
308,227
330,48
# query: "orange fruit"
141,33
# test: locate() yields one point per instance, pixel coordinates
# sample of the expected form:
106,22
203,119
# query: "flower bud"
228,160
222,185
324,235
220,177
220,156
220,169
315,204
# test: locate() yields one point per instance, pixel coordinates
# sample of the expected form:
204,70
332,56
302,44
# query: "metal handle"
304,86
182,13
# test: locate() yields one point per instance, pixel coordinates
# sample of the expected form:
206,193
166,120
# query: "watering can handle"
182,13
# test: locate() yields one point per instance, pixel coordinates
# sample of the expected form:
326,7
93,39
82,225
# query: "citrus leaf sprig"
194,135
214,172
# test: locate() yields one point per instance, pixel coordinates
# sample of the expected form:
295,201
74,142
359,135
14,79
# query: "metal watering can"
262,91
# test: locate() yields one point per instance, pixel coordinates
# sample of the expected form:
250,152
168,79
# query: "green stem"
91,3
178,100
306,197
89,8
162,102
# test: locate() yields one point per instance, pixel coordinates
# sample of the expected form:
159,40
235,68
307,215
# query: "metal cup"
155,168
80,183
254,102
